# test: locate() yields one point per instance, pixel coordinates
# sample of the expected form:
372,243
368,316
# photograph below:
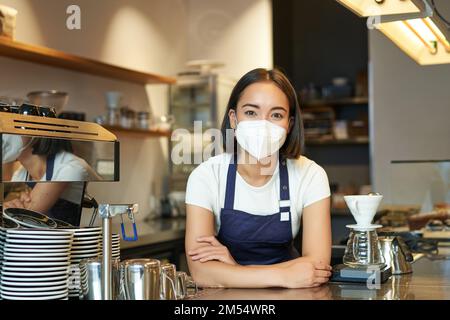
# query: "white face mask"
12,147
260,138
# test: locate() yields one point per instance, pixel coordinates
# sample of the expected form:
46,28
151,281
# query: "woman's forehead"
264,94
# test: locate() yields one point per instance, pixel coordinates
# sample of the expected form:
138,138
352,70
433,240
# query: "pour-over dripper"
363,207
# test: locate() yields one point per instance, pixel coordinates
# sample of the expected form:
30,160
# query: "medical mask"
260,138
12,147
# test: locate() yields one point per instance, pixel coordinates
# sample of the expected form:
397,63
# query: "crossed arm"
41,198
211,264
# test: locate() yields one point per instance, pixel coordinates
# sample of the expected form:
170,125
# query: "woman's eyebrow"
250,105
278,108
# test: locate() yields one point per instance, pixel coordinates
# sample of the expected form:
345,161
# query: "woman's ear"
232,118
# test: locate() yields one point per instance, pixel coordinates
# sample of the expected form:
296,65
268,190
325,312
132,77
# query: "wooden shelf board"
138,132
59,59
338,102
337,142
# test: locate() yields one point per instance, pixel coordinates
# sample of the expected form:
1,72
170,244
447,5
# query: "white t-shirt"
67,167
308,183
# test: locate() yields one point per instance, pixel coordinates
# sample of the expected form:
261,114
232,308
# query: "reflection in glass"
49,175
27,158
422,184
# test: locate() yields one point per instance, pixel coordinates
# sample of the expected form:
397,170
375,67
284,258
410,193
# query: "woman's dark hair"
293,146
48,146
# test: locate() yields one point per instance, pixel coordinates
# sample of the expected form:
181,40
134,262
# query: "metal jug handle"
404,248
122,227
172,284
123,285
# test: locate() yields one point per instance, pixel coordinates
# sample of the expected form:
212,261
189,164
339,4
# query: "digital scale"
366,274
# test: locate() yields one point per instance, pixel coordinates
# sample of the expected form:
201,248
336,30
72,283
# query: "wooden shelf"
337,102
337,142
59,59
139,133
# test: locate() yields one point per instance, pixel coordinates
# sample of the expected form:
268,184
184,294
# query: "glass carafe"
363,249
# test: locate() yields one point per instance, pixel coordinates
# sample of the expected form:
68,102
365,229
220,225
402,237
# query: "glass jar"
112,118
143,120
363,249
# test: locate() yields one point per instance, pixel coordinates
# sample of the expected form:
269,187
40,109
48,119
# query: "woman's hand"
301,273
22,201
214,250
15,203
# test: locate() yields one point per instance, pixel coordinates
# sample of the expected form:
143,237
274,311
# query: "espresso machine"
73,153
363,259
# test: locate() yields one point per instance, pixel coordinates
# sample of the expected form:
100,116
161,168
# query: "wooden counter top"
430,280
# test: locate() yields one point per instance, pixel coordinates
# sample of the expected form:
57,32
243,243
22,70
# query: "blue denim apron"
257,239
63,209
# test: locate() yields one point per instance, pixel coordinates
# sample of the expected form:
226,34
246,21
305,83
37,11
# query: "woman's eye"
277,116
250,113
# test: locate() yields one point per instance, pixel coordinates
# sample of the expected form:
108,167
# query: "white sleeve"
318,187
199,191
71,172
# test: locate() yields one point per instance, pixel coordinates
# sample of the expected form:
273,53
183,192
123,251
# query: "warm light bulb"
422,29
421,39
366,8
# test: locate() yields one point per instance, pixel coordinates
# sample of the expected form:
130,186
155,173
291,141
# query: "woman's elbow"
201,277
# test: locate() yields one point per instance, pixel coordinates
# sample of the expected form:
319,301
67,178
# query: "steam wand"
107,212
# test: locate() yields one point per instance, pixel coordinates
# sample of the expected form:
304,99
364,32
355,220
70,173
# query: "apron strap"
50,167
285,203
48,172
231,183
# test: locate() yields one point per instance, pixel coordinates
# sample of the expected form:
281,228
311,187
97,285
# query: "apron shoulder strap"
231,183
285,203
48,172
50,167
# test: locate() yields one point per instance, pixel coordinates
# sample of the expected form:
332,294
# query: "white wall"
150,35
236,32
410,107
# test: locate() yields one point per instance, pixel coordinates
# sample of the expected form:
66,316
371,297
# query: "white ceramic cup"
363,207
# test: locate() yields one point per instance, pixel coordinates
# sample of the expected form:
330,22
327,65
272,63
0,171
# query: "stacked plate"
115,246
34,263
86,244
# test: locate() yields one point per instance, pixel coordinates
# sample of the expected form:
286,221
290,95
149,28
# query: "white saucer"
87,229
83,242
7,263
52,297
43,246
32,284
85,251
39,242
364,228
37,254
36,258
82,256
36,251
35,279
30,290
32,275
43,232
35,270
38,236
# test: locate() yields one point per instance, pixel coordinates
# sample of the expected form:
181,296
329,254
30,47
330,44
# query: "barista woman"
244,206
